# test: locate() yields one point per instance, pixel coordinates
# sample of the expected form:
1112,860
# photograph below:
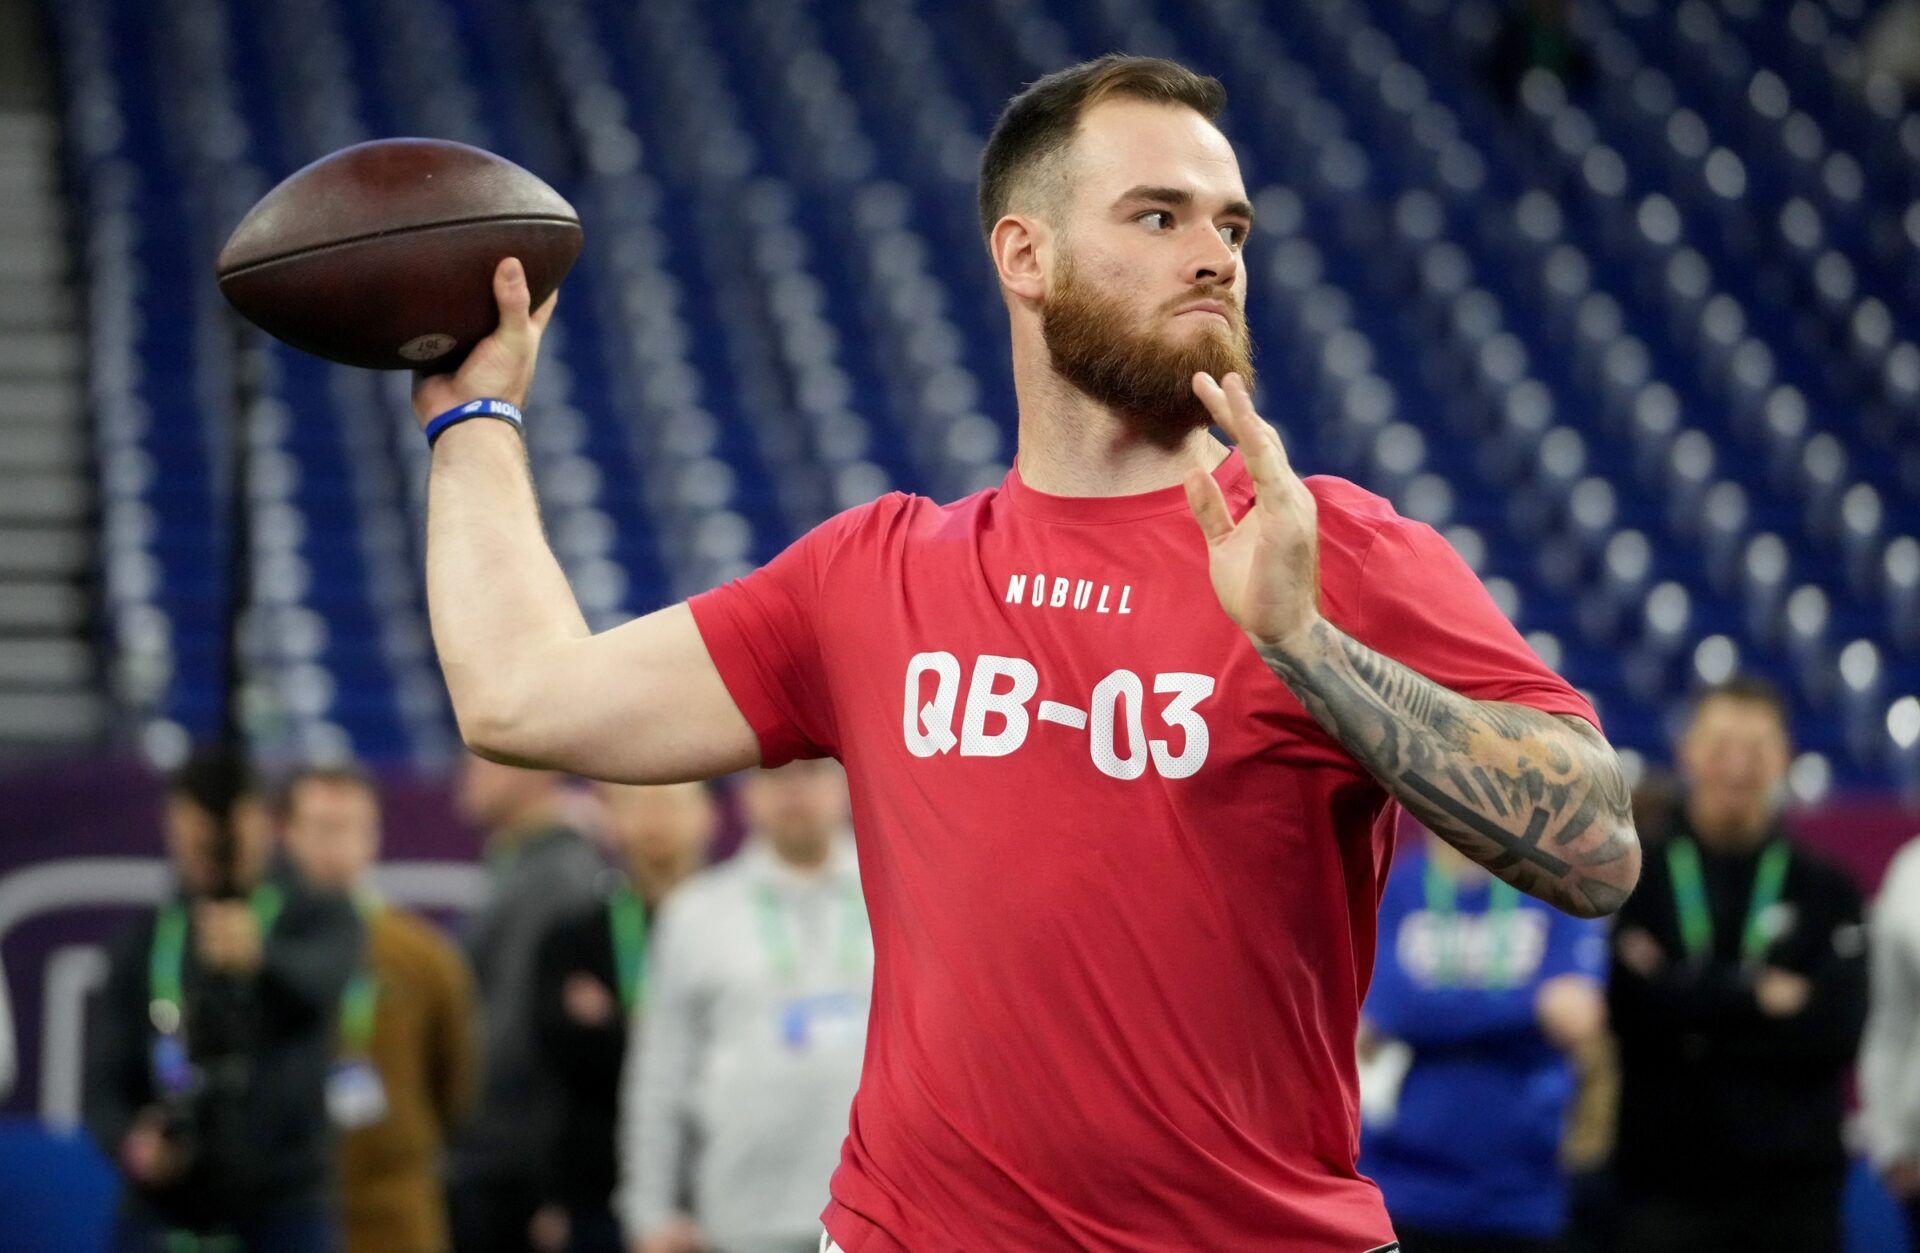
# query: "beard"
1144,376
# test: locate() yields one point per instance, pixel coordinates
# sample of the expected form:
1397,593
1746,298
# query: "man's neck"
654,878
522,827
1071,445
1731,834
807,863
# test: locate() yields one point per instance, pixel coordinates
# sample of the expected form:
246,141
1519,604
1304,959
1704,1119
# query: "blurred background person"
541,870
209,1049
754,1028
1890,1053
408,1055
1480,999
1738,992
590,981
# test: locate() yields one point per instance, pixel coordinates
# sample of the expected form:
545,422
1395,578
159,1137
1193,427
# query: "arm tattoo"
1538,799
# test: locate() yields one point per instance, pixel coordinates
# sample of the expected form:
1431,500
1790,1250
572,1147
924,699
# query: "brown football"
382,255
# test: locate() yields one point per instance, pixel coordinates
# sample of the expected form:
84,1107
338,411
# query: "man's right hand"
681,1235
1781,993
500,367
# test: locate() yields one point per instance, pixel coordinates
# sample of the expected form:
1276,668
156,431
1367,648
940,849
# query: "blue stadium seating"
1640,346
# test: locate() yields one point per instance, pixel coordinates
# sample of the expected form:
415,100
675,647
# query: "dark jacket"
585,1059
264,1144
536,882
1716,1094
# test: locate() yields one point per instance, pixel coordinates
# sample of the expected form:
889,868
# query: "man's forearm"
494,589
1537,799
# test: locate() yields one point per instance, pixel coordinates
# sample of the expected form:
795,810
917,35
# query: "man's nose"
1217,262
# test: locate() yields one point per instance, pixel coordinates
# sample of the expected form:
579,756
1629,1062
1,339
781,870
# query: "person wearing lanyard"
753,1031
1738,992
1479,998
589,982
208,1049
408,1058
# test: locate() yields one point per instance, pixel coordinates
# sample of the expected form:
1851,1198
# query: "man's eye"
1235,235
1156,213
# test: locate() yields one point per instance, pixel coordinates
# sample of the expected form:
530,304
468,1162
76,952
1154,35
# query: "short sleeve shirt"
1123,887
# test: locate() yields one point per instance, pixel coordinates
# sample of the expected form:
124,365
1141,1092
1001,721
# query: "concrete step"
40,402
38,306
40,551
39,354
43,499
41,718
42,608
41,662
32,264
44,448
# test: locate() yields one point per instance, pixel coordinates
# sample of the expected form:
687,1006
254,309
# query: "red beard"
1144,377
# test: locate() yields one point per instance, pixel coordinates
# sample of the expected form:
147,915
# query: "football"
382,255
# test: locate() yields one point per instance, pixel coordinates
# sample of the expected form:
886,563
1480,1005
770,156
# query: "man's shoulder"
404,932
900,516
705,889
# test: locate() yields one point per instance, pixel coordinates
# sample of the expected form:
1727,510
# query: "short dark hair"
1750,689
351,774
1040,122
214,777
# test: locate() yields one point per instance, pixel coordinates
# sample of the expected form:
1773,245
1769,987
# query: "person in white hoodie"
1890,1051
752,1032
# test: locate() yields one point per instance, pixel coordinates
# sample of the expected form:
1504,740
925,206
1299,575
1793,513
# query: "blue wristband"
504,410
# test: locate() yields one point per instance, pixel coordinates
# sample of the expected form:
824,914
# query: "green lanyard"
362,995
627,918
1690,898
166,961
780,947
1502,900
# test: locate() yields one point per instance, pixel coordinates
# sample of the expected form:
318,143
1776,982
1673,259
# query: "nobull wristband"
506,411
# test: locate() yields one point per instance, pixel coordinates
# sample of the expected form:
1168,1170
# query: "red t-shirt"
1122,885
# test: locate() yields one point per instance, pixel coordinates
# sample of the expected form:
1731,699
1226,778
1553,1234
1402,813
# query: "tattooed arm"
1536,798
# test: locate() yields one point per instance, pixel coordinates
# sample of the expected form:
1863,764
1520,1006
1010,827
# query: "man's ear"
1022,247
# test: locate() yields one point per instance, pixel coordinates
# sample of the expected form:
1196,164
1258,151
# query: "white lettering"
1039,591
1011,705
1189,690
929,727
1125,592
1060,593
1104,589
1122,687
1082,593
1016,588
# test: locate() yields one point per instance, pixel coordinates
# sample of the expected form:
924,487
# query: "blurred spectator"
210,1043
753,1032
1657,804
1479,999
408,1057
1738,993
1538,34
1891,48
1890,1056
589,982
542,871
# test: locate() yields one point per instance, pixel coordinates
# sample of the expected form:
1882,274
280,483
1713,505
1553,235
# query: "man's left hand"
1266,567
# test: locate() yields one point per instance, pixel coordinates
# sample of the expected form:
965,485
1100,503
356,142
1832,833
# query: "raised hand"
500,367
1266,567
